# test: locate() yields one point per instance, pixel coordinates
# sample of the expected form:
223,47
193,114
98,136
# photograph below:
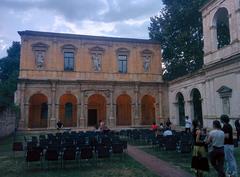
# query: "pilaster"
82,121
52,122
136,121
159,117
23,118
112,119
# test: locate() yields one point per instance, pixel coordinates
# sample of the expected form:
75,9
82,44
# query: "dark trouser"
217,161
187,130
238,135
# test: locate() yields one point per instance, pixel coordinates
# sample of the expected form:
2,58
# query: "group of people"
166,129
219,145
100,127
216,147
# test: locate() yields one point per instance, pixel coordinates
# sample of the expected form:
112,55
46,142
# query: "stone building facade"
215,89
82,79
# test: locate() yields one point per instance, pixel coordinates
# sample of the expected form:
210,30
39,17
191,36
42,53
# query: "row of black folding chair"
69,154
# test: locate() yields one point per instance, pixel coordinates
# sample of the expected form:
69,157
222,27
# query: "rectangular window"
226,105
122,63
68,61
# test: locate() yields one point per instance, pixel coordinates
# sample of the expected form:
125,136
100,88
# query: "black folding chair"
51,155
69,154
170,143
17,147
86,154
34,155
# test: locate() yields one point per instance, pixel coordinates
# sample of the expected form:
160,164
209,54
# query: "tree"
178,27
9,69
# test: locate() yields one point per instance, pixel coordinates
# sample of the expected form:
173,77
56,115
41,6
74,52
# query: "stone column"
57,111
213,30
207,99
26,109
52,122
189,109
160,112
79,107
175,114
112,120
23,118
82,119
237,27
136,121
207,35
78,114
232,27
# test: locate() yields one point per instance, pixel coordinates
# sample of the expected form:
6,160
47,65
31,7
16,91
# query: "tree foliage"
178,27
9,69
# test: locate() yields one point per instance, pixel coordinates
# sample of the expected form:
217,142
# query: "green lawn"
115,167
183,161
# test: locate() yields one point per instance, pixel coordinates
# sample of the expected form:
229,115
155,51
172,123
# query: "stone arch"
38,111
221,27
68,110
96,109
196,100
148,109
123,109
181,108
32,92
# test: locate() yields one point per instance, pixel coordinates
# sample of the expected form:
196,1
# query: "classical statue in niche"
146,62
96,60
39,59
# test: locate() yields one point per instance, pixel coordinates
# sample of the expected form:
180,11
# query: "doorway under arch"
68,110
96,109
181,108
123,110
148,110
38,111
197,105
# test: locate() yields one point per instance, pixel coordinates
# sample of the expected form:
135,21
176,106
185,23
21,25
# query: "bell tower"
221,30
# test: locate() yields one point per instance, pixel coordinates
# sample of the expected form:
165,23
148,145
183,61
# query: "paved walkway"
160,167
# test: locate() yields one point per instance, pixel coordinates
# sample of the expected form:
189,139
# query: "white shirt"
188,123
217,137
167,133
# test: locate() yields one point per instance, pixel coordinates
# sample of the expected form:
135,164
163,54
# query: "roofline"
205,5
86,37
188,76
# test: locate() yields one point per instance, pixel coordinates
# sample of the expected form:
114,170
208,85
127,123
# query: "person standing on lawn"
237,126
199,158
216,155
229,147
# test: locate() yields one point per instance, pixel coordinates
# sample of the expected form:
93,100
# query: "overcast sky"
122,18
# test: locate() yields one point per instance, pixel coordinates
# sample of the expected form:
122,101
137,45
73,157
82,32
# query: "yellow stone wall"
54,60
